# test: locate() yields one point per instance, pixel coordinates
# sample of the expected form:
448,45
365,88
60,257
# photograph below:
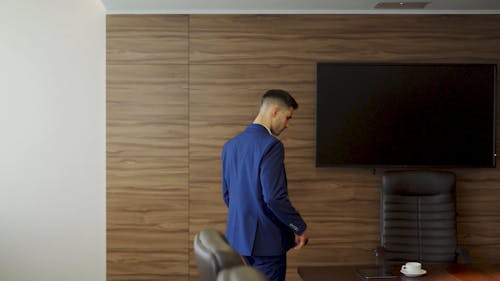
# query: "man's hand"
300,241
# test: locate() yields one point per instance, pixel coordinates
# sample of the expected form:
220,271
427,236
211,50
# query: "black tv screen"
429,115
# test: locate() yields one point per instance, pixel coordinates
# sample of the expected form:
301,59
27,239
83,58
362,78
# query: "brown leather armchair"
213,254
417,218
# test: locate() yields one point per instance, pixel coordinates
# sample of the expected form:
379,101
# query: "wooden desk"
458,272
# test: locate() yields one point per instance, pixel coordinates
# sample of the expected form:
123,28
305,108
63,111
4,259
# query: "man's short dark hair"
282,96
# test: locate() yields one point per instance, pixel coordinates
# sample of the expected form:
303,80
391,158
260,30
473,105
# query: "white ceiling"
295,7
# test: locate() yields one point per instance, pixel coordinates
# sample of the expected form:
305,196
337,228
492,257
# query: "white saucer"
416,274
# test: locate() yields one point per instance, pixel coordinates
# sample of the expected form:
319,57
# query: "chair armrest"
380,255
462,256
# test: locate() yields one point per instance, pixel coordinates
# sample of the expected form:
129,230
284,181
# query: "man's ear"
275,111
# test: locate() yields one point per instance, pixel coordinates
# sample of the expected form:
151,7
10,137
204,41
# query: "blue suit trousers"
273,267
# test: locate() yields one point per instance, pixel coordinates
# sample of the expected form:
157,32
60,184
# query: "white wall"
52,140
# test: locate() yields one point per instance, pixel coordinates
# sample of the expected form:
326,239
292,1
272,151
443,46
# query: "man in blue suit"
262,224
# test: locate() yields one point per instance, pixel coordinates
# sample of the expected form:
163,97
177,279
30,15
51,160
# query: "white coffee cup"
412,267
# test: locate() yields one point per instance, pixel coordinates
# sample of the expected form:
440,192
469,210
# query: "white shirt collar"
269,130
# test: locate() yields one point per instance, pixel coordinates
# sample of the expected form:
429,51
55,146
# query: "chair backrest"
241,273
418,216
213,254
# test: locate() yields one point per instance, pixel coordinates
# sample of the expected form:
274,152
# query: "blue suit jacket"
261,219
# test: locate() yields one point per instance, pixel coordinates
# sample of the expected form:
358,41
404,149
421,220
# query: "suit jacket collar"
259,127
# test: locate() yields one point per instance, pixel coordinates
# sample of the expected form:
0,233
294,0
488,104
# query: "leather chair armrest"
463,256
380,256
241,273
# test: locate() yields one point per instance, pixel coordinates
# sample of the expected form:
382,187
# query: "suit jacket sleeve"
225,187
275,190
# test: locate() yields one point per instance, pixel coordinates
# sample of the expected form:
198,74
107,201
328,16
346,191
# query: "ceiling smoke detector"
401,5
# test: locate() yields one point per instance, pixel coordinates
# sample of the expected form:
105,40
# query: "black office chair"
417,218
213,254
241,273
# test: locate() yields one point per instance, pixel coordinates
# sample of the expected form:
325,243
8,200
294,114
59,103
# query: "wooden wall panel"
147,148
147,219
147,110
146,39
292,39
210,91
478,193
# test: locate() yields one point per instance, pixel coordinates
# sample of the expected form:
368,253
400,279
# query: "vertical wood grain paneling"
147,110
146,39
147,148
478,194
292,39
180,86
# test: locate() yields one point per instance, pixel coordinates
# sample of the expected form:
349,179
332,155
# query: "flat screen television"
405,115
